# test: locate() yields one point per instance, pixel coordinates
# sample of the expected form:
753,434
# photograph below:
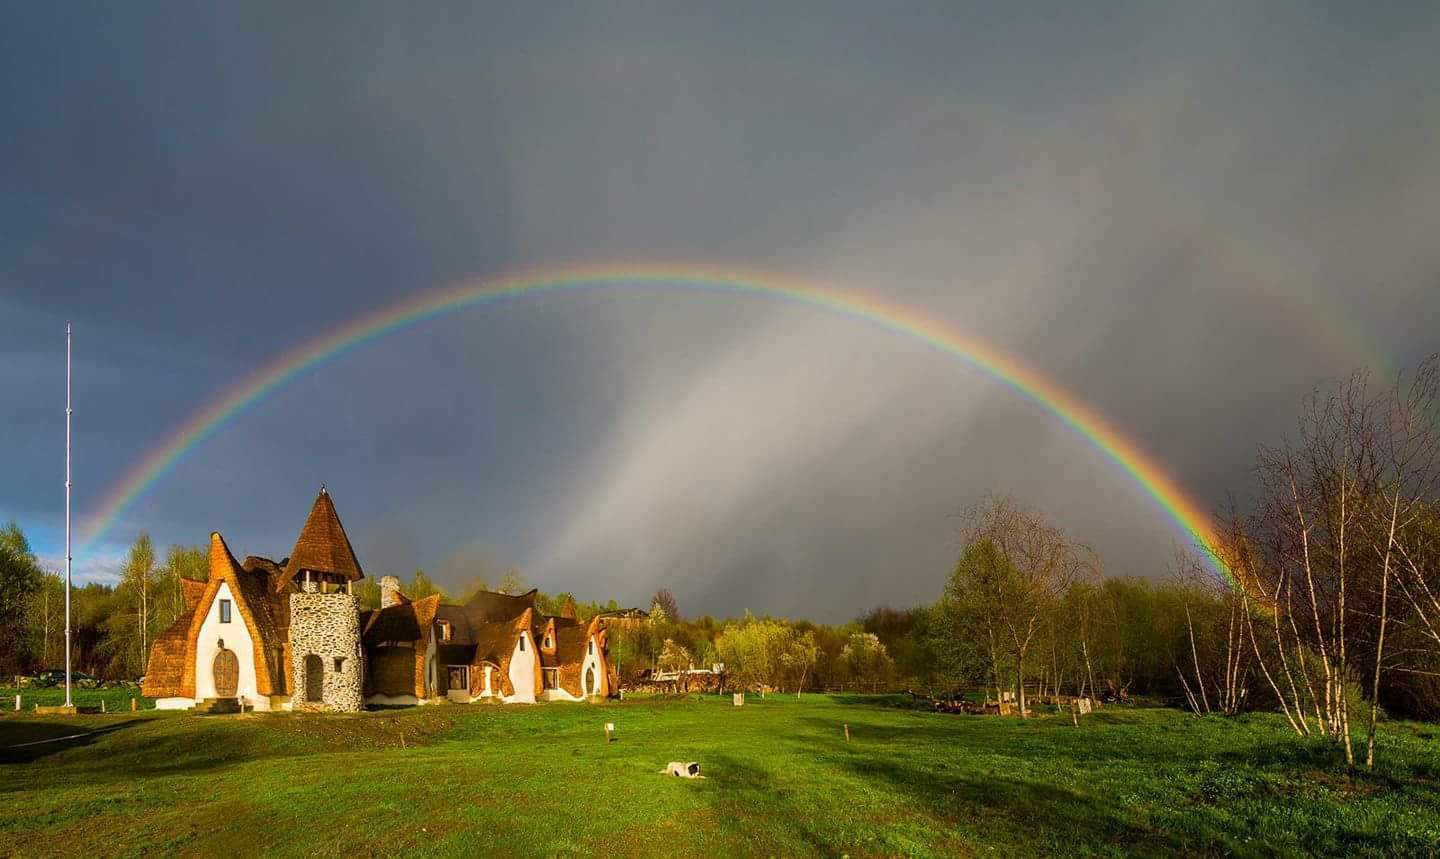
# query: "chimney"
389,591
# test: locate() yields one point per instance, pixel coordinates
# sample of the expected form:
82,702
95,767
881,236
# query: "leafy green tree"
867,657
20,579
421,586
367,592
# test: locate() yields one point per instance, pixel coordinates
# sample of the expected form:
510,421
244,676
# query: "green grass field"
782,780
116,699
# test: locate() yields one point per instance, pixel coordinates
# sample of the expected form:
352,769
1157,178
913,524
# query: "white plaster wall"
237,638
592,661
430,668
174,703
522,671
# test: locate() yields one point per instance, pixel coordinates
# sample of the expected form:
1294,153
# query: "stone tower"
327,661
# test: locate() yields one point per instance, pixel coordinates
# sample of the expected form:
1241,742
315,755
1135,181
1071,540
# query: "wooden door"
227,673
314,678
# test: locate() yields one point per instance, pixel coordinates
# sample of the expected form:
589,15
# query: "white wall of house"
522,671
237,638
430,668
174,703
592,661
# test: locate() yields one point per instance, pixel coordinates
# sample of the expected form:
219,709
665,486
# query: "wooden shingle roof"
323,546
491,606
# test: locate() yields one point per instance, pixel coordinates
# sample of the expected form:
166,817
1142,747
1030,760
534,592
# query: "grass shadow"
25,741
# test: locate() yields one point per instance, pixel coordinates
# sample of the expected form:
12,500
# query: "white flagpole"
67,515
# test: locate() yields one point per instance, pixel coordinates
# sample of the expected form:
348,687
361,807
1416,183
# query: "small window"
548,643
224,611
592,647
522,644
339,664
444,630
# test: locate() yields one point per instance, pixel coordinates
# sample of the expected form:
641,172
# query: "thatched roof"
569,648
393,623
191,591
323,546
492,606
495,640
163,673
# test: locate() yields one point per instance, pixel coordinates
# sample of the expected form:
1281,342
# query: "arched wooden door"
314,678
226,670
590,688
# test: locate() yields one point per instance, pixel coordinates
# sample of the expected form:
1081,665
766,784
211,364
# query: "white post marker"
609,732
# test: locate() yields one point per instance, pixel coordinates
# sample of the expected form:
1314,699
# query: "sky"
1187,218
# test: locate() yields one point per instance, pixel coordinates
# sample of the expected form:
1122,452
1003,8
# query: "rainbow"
1189,515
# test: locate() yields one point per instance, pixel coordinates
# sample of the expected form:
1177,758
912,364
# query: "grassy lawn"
782,781
116,699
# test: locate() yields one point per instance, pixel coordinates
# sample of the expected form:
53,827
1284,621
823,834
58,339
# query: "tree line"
1320,598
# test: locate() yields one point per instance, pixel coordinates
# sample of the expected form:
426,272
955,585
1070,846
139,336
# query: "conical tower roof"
323,546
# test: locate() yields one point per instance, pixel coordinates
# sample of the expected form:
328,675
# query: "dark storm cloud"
1186,218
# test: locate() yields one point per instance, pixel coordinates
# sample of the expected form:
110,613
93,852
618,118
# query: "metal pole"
67,515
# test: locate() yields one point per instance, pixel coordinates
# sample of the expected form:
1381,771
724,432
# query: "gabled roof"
260,604
495,640
492,606
191,591
569,646
568,610
461,630
255,563
404,621
323,546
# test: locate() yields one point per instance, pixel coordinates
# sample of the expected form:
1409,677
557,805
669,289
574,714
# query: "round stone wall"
326,626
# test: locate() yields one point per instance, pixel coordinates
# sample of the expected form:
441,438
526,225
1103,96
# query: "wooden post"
847,733
609,730
17,702
102,705
133,705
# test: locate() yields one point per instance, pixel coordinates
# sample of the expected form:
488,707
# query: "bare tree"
1033,564
1344,521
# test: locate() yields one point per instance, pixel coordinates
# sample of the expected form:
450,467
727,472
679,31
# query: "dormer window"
548,642
224,611
445,630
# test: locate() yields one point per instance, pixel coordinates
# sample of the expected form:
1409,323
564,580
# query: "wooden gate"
227,673
314,678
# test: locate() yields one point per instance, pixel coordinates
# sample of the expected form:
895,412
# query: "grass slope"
782,781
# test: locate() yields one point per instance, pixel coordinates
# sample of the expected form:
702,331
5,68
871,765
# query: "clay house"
495,646
291,635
